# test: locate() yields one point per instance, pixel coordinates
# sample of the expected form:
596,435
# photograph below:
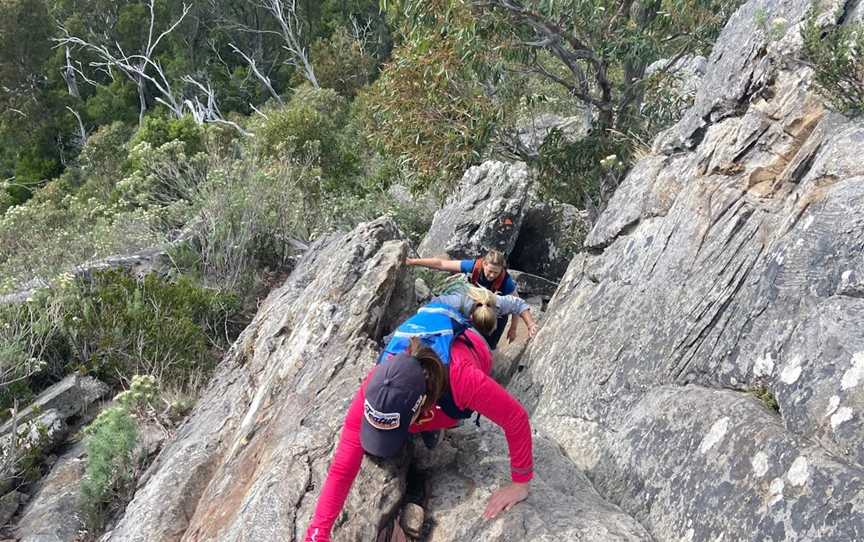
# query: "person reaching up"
488,272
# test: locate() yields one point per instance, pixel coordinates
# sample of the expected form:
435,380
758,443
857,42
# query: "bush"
114,326
583,173
118,326
102,160
836,57
308,126
427,112
157,131
109,477
341,63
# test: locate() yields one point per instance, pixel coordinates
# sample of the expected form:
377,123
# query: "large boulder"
703,360
249,462
485,212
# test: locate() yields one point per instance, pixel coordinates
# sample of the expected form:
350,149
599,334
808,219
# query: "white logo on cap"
381,420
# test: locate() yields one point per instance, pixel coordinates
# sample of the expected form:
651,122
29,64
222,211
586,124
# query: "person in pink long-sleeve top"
402,396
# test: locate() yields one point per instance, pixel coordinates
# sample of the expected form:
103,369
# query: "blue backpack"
437,325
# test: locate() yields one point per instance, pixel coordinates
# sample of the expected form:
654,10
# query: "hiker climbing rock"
489,272
442,376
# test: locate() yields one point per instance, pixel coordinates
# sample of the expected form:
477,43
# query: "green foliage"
613,46
835,54
157,131
117,325
766,397
428,107
102,159
309,126
583,173
109,477
341,63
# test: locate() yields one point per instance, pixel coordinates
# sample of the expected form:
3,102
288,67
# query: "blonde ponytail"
484,315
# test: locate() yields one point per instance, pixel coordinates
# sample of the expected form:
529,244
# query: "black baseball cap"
394,394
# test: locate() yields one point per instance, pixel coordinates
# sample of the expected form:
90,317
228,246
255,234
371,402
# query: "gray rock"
9,504
485,212
52,512
532,133
32,440
531,285
411,519
727,262
550,236
562,504
68,398
249,462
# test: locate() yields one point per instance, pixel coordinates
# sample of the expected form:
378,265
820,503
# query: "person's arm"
343,470
472,389
529,321
452,266
510,304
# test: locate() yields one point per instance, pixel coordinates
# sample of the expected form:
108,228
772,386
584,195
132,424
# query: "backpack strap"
476,271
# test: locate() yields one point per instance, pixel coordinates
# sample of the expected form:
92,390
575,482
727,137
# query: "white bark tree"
139,67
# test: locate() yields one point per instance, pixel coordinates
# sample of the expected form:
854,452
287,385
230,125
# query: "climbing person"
468,305
429,386
489,272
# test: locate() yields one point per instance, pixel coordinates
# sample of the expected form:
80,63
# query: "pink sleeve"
340,477
477,391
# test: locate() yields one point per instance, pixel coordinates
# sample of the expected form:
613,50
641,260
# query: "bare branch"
82,133
261,76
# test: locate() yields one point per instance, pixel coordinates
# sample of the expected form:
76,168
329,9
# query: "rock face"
52,514
728,261
248,463
563,505
485,212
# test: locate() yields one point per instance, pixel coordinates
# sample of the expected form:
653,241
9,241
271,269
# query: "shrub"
158,130
583,173
102,160
341,63
836,57
110,442
118,326
426,111
308,126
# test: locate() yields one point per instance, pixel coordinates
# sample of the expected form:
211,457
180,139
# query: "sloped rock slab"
249,462
52,512
485,212
562,504
723,268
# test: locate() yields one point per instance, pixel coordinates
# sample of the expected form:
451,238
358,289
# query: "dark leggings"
493,338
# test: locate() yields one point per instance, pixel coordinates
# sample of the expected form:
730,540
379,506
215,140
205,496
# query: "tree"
604,46
141,67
